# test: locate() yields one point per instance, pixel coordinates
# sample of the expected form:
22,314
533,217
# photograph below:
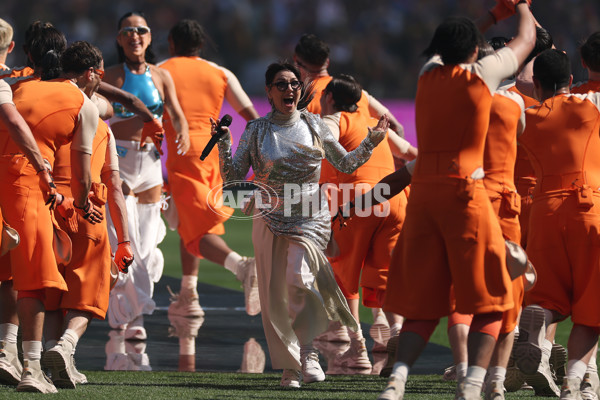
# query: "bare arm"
81,178
129,101
249,113
177,117
377,110
524,41
116,204
388,187
400,147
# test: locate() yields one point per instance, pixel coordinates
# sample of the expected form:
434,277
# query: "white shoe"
468,391
532,331
494,391
77,376
590,386
357,358
34,379
290,378
184,327
380,333
336,332
135,329
311,369
246,273
253,359
570,389
543,381
393,391
58,361
558,362
185,303
10,366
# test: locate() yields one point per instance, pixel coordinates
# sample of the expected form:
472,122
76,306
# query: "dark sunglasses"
130,30
283,85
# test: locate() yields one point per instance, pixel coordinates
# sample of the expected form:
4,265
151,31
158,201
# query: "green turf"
184,385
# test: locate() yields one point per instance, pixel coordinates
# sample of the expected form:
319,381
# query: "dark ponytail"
51,67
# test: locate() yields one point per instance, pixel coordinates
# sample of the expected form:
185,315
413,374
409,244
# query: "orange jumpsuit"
88,273
195,185
587,86
366,243
451,236
561,138
58,113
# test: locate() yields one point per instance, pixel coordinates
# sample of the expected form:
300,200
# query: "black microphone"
225,121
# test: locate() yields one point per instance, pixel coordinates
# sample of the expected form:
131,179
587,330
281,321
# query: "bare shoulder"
114,75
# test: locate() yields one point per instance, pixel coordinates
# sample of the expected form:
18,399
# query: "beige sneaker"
528,347
58,361
590,386
311,369
494,391
34,379
468,392
246,273
380,333
543,381
570,389
336,332
290,378
77,376
357,358
185,303
10,366
394,390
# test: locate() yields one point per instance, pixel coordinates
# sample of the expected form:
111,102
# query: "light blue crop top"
143,87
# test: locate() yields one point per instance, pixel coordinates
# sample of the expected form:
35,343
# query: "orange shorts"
365,245
451,237
564,247
88,273
191,182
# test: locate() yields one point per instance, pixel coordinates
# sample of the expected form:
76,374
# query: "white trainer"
79,377
185,303
528,347
290,378
184,327
311,369
570,389
590,386
10,366
357,358
543,380
34,379
394,390
336,332
58,361
246,273
135,329
494,390
380,333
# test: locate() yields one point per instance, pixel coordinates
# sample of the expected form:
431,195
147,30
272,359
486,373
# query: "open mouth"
288,102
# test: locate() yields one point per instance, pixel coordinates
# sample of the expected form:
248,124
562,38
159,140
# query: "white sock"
497,374
475,376
592,367
395,329
70,336
231,262
546,349
189,282
576,369
400,371
32,350
50,344
8,332
461,370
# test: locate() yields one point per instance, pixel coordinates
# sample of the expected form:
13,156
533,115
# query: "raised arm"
524,41
234,168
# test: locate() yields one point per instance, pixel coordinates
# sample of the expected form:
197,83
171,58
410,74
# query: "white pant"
140,169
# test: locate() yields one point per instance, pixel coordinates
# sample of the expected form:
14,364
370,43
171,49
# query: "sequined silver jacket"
285,153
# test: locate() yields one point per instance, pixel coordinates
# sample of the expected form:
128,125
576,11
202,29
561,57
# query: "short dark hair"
543,41
552,69
149,55
80,56
273,69
312,49
188,37
45,50
454,40
346,92
498,42
590,52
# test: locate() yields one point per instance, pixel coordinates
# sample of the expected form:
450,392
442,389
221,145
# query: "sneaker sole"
558,362
542,386
314,378
33,387
54,361
528,355
8,377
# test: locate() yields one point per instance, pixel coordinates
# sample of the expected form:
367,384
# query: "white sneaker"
570,389
135,329
34,379
394,390
494,390
184,327
58,361
590,386
10,366
558,362
290,378
380,332
336,332
532,331
185,303
468,391
246,273
357,358
543,381
311,369
77,376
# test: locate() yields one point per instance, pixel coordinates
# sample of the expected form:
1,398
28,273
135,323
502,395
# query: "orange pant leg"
193,184
33,262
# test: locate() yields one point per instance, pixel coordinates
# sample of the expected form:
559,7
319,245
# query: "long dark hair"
149,56
45,51
307,91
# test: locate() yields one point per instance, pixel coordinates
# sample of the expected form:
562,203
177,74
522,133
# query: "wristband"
124,241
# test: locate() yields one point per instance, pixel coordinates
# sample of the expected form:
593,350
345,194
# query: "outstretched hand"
377,134
153,130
